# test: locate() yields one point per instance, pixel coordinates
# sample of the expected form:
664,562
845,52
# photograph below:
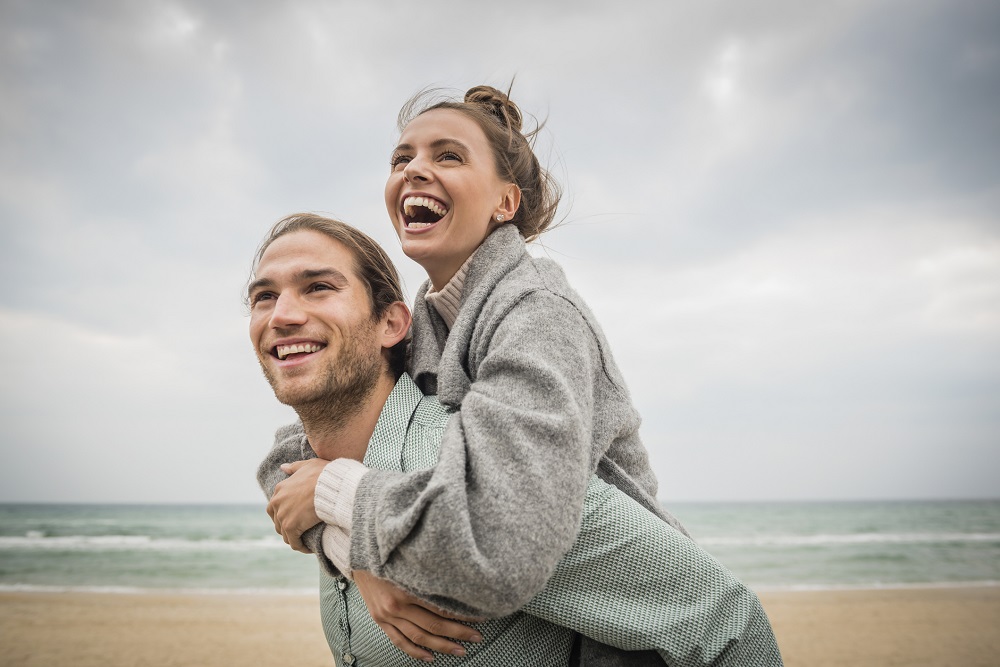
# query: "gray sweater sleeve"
482,531
290,445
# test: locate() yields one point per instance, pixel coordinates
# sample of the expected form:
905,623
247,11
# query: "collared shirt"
407,437
630,580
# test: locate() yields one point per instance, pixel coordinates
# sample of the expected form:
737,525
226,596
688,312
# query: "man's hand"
411,623
292,507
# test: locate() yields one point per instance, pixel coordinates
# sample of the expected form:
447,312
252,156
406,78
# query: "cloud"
784,215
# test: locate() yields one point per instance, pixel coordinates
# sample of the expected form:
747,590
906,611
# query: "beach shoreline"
879,627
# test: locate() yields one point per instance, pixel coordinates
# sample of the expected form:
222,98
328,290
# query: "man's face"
311,321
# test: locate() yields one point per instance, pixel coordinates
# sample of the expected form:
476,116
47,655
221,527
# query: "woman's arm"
290,445
630,581
409,622
482,531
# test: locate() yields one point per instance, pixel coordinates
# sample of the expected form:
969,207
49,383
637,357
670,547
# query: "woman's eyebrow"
436,144
441,143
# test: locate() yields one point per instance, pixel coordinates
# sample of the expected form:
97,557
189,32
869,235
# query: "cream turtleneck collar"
447,299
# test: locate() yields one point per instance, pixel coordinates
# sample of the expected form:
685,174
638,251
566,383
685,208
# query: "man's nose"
288,311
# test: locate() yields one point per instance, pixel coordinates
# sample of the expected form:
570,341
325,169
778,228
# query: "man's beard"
341,390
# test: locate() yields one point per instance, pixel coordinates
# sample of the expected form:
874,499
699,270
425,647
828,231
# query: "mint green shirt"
630,580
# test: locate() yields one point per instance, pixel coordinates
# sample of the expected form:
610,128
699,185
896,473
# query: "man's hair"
372,265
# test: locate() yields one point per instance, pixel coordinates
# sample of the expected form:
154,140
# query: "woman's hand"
292,506
411,623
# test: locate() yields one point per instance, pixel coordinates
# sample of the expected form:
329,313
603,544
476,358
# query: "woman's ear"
509,202
395,324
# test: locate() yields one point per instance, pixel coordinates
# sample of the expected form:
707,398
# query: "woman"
501,338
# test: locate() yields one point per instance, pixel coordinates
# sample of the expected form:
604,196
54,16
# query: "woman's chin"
419,253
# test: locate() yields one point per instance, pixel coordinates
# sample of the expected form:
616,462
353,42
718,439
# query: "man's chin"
288,393
296,396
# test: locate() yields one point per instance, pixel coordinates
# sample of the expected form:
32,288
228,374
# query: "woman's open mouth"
422,212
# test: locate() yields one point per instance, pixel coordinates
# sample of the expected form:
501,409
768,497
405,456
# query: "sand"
872,628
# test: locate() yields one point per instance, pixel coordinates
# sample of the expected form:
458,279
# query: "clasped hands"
409,622
292,506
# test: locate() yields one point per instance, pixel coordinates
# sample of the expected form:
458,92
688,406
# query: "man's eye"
261,296
321,287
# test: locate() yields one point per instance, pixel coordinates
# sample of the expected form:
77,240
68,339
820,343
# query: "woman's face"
444,194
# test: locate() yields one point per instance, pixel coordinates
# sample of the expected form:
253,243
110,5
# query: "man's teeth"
285,350
411,203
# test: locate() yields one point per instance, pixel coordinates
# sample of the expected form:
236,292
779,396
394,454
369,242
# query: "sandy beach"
870,628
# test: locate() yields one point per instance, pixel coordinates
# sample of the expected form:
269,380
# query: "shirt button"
341,584
348,659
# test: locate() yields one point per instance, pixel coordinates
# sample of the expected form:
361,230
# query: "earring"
499,217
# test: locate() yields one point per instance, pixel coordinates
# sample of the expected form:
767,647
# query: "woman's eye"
451,156
398,160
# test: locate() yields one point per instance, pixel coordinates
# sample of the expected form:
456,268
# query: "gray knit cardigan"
543,406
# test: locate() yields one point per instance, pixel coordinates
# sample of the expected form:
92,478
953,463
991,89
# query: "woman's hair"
513,150
372,265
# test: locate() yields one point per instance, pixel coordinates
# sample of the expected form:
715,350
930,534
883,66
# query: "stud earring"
499,217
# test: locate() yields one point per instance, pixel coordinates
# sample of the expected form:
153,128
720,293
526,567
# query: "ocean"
770,546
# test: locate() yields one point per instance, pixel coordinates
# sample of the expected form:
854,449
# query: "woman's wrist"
335,490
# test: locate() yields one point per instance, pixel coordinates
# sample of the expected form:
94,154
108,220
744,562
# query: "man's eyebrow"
258,284
325,272
303,275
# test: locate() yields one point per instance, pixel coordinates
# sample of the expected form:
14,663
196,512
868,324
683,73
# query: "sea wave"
37,541
848,539
873,586
311,592
34,541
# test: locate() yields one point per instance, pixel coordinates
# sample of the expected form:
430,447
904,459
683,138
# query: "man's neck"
338,431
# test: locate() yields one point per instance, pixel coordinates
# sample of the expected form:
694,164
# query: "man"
329,328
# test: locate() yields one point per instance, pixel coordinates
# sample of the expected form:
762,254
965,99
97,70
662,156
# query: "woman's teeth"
422,211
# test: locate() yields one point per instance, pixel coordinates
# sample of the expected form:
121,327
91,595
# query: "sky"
785,215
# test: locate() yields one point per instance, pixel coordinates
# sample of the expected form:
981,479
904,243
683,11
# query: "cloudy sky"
786,215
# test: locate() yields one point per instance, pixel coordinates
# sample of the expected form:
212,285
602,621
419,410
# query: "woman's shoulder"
535,295
506,281
504,269
535,275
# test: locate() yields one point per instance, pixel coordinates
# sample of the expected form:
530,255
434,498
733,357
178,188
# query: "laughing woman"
539,408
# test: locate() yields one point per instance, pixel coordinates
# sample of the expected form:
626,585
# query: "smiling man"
330,331
320,340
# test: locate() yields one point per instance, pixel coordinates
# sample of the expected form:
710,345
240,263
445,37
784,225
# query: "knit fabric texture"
539,406
448,299
407,437
630,581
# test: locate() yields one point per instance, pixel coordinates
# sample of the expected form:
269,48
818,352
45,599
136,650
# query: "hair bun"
497,104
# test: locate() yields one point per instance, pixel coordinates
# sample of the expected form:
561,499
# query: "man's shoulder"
427,411
430,414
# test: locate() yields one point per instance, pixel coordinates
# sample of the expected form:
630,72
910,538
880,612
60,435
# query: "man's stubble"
343,386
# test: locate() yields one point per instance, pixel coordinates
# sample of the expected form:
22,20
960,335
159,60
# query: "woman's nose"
416,170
